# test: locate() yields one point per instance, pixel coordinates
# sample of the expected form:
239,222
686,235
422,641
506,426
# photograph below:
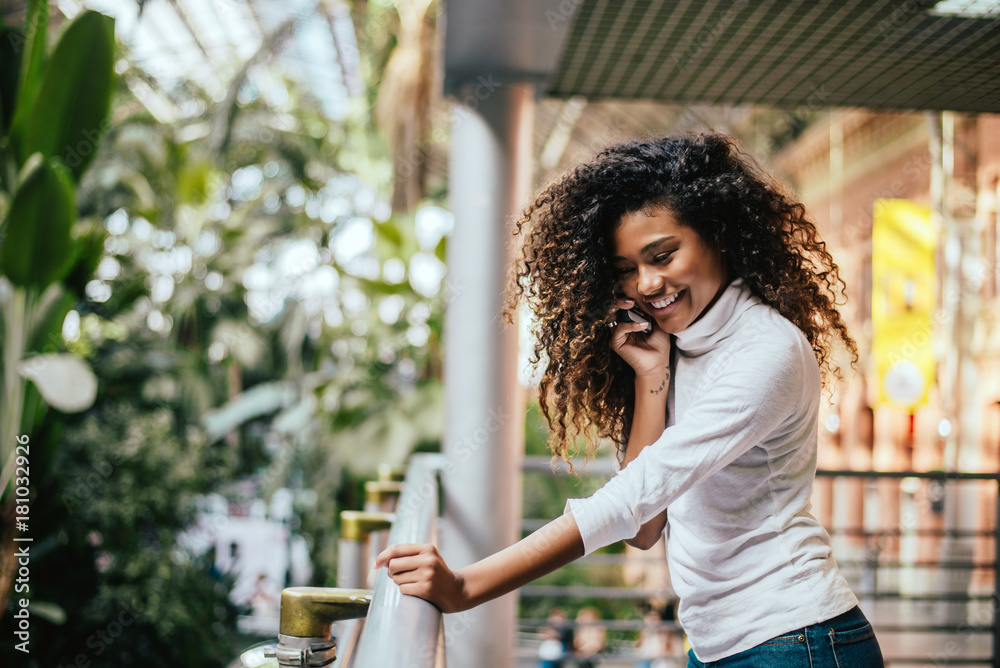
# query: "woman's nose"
649,282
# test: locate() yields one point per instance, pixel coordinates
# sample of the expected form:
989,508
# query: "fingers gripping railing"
405,630
374,628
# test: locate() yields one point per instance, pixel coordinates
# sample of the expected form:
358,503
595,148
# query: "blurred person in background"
557,640
654,642
591,638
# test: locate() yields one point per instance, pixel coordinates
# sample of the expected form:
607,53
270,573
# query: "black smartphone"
631,314
635,315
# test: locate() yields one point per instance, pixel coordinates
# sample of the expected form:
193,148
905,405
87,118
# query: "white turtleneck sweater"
734,468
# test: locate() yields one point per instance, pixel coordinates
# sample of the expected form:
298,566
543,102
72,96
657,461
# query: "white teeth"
666,302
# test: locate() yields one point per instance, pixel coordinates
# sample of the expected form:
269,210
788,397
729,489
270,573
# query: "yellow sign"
904,295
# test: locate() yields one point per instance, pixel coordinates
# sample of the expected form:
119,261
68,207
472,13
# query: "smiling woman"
713,407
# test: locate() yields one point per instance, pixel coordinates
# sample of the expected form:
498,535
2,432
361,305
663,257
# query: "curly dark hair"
565,276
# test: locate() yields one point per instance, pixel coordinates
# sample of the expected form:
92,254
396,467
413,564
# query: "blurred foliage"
210,261
239,347
122,487
53,110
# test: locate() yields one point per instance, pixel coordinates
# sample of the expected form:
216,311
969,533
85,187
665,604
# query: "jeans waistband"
852,617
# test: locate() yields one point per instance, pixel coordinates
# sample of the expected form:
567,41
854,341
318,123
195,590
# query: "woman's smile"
663,305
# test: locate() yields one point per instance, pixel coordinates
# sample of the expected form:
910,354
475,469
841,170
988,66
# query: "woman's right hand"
419,570
646,350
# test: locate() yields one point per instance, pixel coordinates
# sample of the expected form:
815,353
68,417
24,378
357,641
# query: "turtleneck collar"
717,322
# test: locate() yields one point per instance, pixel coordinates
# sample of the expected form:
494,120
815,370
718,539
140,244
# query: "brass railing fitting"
388,474
309,612
377,491
358,525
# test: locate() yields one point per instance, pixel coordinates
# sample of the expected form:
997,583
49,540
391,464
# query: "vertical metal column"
489,181
960,505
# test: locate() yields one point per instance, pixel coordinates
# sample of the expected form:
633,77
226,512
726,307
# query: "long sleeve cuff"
602,521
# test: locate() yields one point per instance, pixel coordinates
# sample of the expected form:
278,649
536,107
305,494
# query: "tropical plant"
53,113
291,315
239,272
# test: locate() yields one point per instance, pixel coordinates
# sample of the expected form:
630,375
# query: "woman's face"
666,267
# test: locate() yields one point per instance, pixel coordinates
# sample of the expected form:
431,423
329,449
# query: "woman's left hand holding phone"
645,347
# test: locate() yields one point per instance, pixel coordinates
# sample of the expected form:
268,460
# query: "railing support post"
353,558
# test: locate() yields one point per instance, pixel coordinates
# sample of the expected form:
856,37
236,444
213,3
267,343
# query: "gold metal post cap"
309,612
388,474
357,525
377,490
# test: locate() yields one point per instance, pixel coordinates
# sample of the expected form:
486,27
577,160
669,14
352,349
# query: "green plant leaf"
51,312
70,115
89,236
194,182
31,53
11,46
38,249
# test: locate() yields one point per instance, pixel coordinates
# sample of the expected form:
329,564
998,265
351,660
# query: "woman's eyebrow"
648,247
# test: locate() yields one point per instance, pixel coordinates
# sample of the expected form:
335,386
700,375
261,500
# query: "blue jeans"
846,641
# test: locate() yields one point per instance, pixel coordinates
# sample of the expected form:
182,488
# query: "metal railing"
404,630
946,615
938,609
374,628
944,620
